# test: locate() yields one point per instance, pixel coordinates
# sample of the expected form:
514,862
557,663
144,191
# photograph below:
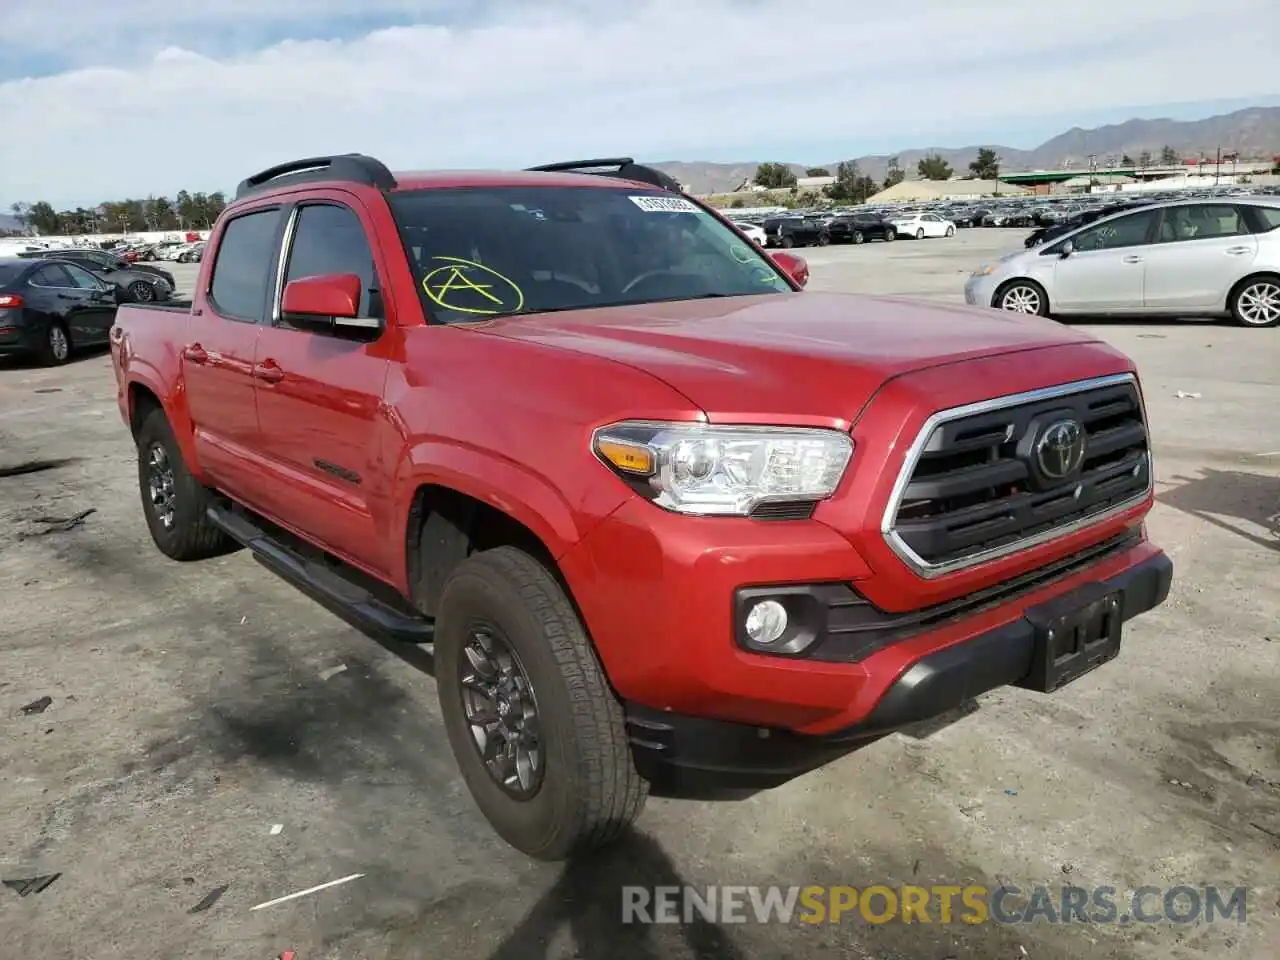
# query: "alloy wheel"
1021,299
1259,304
501,711
59,345
160,486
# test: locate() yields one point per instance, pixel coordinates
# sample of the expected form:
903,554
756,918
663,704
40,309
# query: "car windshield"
482,252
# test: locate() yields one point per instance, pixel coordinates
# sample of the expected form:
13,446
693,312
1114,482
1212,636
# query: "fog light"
766,622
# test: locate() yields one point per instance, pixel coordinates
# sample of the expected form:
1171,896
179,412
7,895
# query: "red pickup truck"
673,526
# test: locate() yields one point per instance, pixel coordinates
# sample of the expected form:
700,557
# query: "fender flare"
491,479
172,402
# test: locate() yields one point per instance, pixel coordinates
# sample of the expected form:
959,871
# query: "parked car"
672,525
795,232
138,282
1188,258
753,231
858,228
50,307
922,225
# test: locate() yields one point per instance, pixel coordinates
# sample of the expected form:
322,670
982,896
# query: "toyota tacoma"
670,524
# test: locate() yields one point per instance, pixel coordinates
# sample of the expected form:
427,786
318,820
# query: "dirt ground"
192,708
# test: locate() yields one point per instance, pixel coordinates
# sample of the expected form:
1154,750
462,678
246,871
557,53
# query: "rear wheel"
951,231
920,233
532,722
1023,296
857,236
1256,302
890,235
823,239
173,501
56,348
788,243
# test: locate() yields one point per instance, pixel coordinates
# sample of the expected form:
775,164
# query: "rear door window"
243,270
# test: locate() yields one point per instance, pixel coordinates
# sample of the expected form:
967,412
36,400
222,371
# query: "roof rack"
625,168
348,167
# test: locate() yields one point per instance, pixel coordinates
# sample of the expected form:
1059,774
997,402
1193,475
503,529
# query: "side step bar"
341,596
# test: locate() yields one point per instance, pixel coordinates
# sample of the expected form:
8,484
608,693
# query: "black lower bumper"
683,756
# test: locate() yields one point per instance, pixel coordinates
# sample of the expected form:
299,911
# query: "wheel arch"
1249,278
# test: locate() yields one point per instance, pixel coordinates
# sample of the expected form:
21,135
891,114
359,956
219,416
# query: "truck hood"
802,357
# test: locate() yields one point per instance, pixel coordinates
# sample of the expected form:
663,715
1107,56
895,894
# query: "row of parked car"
176,251
1045,215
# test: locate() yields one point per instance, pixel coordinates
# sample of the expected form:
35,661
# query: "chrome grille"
974,487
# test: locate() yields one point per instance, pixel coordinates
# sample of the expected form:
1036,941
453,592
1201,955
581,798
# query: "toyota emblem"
1060,449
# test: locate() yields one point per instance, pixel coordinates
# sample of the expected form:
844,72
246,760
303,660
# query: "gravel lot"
189,714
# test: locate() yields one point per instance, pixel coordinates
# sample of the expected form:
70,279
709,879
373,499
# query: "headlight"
724,471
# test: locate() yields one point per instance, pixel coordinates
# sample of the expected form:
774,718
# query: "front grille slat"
977,488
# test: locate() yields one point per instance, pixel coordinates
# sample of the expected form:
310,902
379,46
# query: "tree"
933,167
771,176
986,167
852,185
817,172
1169,156
42,218
1126,161
895,174
1144,159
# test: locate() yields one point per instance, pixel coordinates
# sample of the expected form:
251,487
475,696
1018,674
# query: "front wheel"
890,235
532,722
857,236
920,234
951,231
1257,302
142,292
1023,296
787,243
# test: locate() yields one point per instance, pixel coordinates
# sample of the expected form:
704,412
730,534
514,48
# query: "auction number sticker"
664,205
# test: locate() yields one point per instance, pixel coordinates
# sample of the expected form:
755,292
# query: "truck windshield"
492,251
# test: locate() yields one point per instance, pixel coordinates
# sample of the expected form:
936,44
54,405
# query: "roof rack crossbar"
348,167
624,168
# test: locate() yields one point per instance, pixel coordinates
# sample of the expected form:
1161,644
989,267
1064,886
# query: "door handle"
269,371
195,353
1132,259
1236,251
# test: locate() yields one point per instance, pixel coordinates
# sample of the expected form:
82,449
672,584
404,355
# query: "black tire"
189,534
858,237
1255,300
589,791
951,231
55,350
142,292
920,233
1022,292
788,243
823,239
890,235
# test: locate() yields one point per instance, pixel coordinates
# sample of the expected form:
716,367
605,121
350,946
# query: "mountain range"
1252,132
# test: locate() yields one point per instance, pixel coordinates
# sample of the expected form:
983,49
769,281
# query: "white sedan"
921,225
753,233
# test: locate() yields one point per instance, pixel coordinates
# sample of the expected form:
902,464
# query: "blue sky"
130,97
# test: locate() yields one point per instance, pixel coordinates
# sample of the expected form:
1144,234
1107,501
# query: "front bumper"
691,756
979,291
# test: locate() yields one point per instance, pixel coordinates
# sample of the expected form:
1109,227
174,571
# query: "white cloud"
535,82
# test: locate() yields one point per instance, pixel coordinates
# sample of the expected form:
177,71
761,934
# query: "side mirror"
1067,250
331,299
793,266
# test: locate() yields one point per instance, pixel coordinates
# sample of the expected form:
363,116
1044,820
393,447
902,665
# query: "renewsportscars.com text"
974,904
